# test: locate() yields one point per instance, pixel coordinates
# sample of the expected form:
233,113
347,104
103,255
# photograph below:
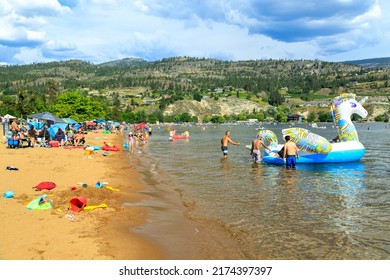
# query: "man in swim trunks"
255,150
290,153
224,143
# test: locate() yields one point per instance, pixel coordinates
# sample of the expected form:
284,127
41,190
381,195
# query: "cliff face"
223,106
233,105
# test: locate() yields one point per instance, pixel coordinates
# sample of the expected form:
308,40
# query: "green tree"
78,107
198,96
281,117
116,108
52,92
324,117
311,117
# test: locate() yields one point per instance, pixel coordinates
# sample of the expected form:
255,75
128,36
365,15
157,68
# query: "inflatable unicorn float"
315,148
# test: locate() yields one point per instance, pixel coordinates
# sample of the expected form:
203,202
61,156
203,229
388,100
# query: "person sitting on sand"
44,133
60,136
79,138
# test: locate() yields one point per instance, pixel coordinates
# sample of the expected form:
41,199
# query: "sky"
97,31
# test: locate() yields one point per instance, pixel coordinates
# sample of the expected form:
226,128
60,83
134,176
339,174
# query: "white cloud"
102,30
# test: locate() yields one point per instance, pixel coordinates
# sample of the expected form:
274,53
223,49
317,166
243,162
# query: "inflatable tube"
111,148
45,186
341,152
308,141
180,137
73,147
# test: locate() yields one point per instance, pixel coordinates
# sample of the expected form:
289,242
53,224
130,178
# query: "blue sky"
103,30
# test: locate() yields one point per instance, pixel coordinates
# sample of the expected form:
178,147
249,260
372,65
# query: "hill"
171,84
372,63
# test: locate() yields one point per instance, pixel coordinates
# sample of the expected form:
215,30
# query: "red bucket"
77,203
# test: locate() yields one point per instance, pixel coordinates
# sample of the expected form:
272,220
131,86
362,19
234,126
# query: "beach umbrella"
69,120
47,117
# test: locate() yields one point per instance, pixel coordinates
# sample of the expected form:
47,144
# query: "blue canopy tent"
49,117
54,128
36,125
76,127
99,121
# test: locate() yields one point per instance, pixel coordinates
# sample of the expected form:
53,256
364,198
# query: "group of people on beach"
289,152
36,137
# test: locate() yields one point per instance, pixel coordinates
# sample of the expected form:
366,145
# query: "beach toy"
88,151
70,217
100,184
83,184
126,145
77,204
93,207
45,186
8,194
39,204
111,188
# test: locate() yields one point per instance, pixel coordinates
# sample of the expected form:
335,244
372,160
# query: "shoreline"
171,220
141,221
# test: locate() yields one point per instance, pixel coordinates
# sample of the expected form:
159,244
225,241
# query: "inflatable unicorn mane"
317,149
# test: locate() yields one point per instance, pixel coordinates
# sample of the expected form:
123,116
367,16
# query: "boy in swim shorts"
224,143
290,153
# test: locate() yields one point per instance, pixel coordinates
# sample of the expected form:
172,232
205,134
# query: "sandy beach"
59,233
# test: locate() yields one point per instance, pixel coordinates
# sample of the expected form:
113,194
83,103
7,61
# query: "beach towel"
45,186
39,204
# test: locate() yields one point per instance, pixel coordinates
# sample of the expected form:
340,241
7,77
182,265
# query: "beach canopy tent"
8,116
69,121
49,117
36,125
76,126
54,128
99,121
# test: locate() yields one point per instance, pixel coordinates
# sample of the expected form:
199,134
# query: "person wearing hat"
131,142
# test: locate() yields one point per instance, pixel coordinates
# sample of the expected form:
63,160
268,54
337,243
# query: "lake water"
321,211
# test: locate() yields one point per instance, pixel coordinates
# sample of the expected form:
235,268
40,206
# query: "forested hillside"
132,89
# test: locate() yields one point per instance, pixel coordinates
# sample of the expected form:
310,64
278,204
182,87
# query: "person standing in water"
131,142
224,143
290,153
255,150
